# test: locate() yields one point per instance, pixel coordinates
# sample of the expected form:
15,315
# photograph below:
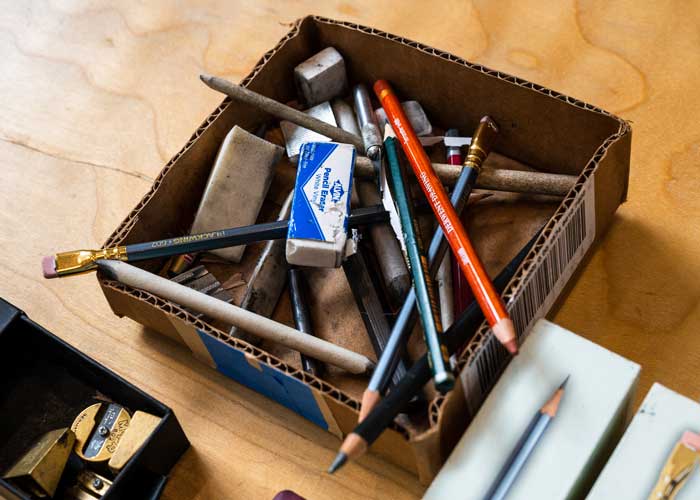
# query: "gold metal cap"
482,142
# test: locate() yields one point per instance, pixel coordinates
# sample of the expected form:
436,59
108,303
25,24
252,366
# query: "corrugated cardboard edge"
444,412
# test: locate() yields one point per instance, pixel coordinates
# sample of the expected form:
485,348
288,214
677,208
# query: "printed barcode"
529,301
567,244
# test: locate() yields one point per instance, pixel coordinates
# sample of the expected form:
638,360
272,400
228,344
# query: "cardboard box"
45,384
540,127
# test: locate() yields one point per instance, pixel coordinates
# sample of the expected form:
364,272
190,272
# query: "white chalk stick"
253,323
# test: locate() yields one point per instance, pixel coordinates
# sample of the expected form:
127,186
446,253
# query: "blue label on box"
322,191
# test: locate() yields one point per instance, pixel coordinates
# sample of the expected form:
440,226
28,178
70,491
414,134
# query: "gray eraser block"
321,77
415,114
635,465
237,186
598,393
296,135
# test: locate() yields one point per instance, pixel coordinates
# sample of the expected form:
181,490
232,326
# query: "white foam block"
634,466
597,396
318,223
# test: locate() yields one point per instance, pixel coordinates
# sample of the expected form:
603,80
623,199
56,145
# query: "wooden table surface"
98,95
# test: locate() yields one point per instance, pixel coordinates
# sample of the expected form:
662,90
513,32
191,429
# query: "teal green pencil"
438,355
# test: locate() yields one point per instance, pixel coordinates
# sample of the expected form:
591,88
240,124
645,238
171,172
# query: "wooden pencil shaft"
422,284
370,306
419,374
248,321
407,315
302,317
281,111
496,179
518,457
237,236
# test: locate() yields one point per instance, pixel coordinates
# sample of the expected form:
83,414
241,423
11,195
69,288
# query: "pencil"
261,326
302,318
525,446
484,136
462,296
492,305
369,305
422,284
82,261
383,414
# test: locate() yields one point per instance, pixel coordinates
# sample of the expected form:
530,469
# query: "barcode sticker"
558,258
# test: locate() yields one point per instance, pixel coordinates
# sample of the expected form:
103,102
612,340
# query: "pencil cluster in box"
426,211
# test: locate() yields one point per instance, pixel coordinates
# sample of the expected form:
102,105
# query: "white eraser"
591,416
636,463
321,77
415,114
296,135
319,220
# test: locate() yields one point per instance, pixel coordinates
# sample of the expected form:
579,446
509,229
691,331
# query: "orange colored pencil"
470,264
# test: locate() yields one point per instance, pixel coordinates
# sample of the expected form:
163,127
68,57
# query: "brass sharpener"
97,442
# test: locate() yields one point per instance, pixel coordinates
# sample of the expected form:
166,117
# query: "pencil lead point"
206,78
564,382
338,462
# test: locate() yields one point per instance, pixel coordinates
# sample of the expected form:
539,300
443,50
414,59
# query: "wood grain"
98,95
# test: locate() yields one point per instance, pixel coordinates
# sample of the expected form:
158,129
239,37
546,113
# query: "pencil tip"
564,382
205,78
338,462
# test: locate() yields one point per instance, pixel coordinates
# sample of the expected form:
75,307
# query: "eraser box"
539,127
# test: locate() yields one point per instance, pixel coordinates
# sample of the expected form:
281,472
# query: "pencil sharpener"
98,430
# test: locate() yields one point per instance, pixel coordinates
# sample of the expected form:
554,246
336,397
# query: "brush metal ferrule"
482,142
681,462
84,261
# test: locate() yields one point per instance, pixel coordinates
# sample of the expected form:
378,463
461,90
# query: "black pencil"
383,414
82,261
302,318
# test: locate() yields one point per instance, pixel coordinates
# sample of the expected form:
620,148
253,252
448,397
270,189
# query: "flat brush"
681,463
83,261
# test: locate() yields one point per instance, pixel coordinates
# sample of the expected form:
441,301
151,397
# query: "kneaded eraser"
318,223
237,186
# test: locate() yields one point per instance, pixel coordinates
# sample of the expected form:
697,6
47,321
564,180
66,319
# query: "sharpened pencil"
483,137
525,446
384,413
422,284
492,305
82,261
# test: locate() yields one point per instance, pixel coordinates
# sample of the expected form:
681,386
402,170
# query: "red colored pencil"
489,301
